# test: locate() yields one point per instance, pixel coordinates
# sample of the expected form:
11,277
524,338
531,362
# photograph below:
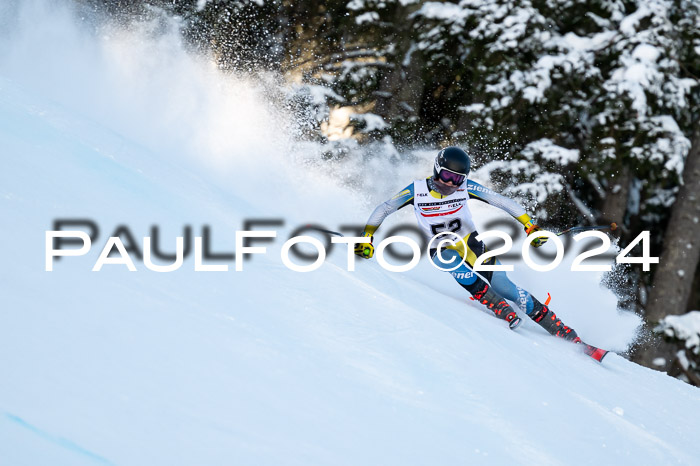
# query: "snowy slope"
264,366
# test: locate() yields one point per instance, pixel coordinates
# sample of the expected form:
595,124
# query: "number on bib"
453,226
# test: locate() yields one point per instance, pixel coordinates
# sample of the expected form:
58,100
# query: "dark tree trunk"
616,199
674,276
401,87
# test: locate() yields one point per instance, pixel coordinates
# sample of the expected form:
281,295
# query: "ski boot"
549,321
498,305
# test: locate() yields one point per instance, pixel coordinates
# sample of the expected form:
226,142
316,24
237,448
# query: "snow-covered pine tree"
565,94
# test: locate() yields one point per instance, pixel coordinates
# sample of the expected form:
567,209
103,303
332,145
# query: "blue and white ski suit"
437,213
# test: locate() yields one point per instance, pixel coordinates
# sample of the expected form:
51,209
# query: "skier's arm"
380,213
386,208
482,193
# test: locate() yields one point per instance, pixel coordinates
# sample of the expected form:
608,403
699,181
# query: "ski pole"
612,226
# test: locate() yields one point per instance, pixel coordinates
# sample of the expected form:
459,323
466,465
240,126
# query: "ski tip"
596,353
599,354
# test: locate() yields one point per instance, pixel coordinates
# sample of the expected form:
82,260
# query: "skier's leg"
540,313
509,290
503,286
500,282
476,286
537,311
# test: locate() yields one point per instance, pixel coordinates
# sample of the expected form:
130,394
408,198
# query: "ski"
594,352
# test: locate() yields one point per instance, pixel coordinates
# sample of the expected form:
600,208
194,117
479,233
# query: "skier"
440,205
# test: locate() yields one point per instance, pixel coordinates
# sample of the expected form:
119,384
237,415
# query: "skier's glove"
540,240
365,250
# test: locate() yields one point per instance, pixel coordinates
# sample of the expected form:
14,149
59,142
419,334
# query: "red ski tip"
596,353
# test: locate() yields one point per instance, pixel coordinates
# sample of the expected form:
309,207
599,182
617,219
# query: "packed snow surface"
264,366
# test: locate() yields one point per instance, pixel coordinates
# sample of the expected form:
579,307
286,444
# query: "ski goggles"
447,175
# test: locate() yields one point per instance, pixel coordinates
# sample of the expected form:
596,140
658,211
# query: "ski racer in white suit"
440,204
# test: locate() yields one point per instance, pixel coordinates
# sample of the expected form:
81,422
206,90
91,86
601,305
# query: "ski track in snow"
267,366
